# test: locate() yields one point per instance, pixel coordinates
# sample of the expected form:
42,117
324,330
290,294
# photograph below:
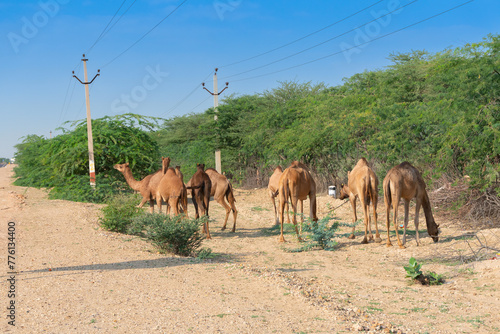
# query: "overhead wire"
104,31
303,37
180,102
319,44
356,46
143,36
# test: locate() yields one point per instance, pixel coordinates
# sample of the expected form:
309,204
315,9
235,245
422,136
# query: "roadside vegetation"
441,112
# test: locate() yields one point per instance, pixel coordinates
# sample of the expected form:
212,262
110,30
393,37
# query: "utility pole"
89,120
216,94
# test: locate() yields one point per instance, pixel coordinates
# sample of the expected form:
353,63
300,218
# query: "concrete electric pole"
218,165
89,120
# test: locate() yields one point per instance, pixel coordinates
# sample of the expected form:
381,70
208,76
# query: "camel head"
165,162
344,191
200,166
433,230
121,167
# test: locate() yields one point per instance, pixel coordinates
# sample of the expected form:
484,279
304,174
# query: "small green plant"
170,234
413,270
120,212
205,253
435,279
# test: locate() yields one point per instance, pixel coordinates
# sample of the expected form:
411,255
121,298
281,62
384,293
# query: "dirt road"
74,277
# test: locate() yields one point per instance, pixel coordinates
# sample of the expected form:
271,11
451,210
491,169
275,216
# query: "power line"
324,42
186,97
374,39
142,37
303,37
104,30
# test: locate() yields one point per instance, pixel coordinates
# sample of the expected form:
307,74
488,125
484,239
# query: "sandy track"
77,278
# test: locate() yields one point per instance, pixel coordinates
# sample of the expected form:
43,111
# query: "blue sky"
42,42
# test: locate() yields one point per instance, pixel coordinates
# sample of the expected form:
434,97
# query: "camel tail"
368,190
387,193
230,193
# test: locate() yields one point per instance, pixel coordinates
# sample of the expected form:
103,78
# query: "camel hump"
362,162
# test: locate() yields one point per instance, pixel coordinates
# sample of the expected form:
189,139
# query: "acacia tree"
61,163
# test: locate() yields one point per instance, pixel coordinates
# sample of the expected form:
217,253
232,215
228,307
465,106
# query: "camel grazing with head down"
147,186
201,187
362,183
222,188
296,183
404,181
274,182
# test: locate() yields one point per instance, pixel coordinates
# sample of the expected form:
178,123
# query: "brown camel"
147,186
362,183
274,182
171,190
404,181
296,183
221,187
201,187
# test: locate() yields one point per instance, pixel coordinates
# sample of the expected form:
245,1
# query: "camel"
221,188
404,181
201,187
362,183
274,182
147,186
172,191
296,183
165,162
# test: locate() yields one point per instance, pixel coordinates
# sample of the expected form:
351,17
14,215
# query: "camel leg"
226,206
152,205
273,200
194,197
366,221
353,204
387,202
395,200
235,212
282,200
377,235
294,208
417,211
407,217
301,215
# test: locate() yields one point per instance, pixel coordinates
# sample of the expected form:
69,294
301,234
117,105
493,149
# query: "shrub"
413,271
170,234
120,212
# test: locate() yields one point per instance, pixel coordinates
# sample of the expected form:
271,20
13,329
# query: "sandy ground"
74,277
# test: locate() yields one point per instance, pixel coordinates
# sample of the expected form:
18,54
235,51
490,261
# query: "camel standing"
146,187
363,184
171,190
221,188
404,181
296,183
274,182
201,187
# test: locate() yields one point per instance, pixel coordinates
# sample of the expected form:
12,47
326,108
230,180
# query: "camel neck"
133,183
426,206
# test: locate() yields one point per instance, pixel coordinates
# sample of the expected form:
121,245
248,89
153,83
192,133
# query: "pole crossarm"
87,83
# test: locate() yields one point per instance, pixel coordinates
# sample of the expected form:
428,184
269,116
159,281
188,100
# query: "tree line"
438,111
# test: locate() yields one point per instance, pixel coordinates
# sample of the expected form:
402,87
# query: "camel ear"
127,164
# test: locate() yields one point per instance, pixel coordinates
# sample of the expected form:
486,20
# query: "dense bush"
170,234
120,212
